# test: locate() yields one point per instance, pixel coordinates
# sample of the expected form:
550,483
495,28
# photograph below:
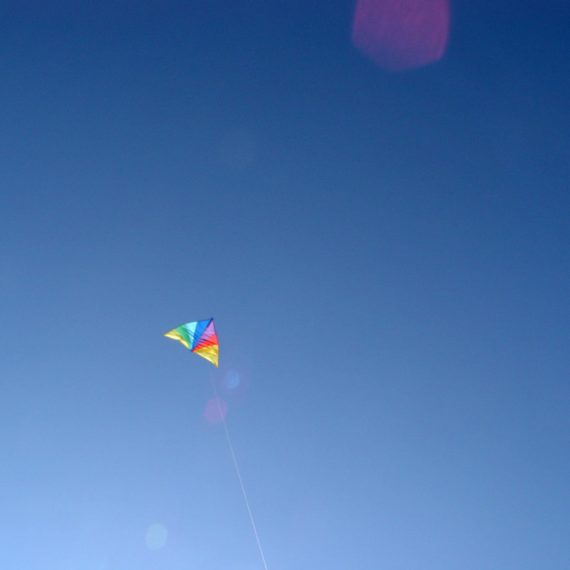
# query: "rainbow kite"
199,337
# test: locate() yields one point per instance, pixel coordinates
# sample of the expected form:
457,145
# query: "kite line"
239,477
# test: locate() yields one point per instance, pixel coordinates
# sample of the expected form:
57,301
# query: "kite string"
239,477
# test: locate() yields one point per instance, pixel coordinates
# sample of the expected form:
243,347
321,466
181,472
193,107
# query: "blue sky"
386,256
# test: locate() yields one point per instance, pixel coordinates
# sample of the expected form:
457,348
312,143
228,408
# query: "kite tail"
240,479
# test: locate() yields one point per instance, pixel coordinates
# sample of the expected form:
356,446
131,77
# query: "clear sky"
386,255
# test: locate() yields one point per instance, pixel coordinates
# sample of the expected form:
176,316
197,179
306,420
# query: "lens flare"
232,380
401,34
156,536
238,149
215,411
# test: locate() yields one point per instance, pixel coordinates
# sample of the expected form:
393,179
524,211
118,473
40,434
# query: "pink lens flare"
402,34
215,411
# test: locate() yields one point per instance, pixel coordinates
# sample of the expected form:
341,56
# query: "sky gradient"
386,256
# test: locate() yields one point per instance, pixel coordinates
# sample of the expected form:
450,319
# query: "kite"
199,337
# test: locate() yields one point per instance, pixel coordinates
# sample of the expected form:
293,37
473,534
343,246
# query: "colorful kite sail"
199,337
